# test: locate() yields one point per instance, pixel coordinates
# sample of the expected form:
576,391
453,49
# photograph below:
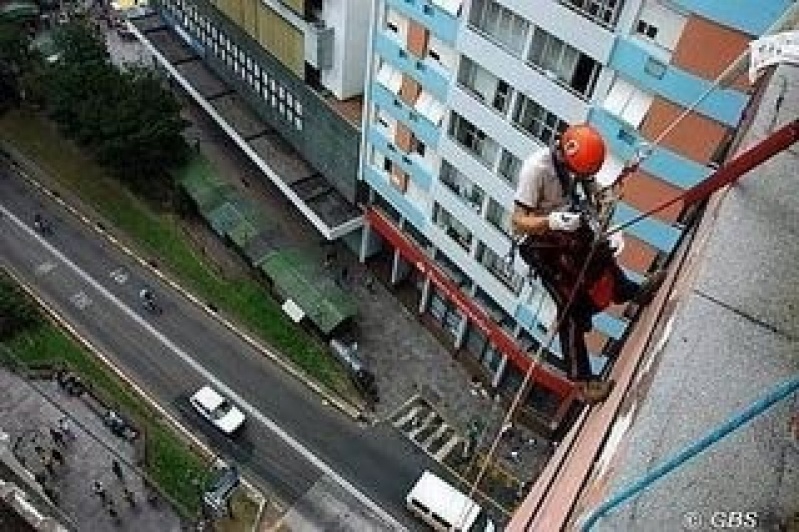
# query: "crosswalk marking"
419,421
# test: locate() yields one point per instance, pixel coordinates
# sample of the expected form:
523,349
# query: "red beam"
542,374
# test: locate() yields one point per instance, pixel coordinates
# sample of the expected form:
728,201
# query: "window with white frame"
389,77
427,105
484,85
453,7
627,101
564,62
501,269
473,139
500,24
397,26
509,166
606,12
542,124
452,227
468,190
499,216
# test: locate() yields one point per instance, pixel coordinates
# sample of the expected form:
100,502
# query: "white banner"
771,50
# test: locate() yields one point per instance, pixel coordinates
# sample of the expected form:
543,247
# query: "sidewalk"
28,410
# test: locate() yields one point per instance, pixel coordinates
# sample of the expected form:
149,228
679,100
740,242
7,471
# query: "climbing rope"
642,152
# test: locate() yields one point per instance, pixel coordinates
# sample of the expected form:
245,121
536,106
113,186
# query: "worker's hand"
563,221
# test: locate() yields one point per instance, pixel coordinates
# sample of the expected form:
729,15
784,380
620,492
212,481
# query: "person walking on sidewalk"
116,467
546,189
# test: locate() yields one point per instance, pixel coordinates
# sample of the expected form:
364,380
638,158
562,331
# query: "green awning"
301,278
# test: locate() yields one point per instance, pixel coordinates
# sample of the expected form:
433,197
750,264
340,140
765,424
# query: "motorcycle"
42,226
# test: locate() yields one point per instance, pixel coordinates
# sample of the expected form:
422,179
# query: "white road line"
271,425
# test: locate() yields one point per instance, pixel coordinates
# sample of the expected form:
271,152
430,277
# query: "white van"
445,508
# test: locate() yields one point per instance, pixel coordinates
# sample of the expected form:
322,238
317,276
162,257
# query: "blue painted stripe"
676,85
652,231
664,164
749,16
423,128
439,22
383,188
430,78
610,325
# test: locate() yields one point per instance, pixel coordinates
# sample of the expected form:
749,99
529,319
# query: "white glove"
563,221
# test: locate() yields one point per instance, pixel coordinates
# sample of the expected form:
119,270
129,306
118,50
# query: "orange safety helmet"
583,149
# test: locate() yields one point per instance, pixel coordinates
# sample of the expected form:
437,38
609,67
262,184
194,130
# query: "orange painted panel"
403,138
399,179
706,49
637,255
595,341
645,192
409,90
417,39
695,136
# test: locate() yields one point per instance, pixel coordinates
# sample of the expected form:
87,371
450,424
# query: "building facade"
299,66
459,93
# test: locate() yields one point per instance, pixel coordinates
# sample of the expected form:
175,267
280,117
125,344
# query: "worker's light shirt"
539,187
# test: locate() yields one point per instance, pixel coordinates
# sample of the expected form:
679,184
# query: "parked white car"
217,409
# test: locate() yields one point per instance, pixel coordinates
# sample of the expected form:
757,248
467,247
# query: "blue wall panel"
384,189
749,16
421,126
429,77
675,84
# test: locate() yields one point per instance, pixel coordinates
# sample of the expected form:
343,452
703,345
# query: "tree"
15,58
126,118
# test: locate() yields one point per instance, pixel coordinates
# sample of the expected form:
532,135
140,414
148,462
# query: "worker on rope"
557,242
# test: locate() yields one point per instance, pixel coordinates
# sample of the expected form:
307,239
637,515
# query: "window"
434,54
387,165
509,166
499,216
500,24
453,228
473,139
540,123
470,193
563,62
606,12
390,77
484,85
500,268
429,107
646,29
420,148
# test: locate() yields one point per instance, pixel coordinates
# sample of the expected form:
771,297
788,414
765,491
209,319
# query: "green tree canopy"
127,117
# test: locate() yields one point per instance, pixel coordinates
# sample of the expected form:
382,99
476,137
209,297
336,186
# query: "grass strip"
158,234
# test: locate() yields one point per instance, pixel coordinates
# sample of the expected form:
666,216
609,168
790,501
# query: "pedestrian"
57,456
47,462
128,494
117,469
99,490
543,215
370,283
112,510
57,436
65,428
330,259
514,455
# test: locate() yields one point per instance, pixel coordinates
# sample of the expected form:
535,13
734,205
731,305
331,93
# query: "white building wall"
350,20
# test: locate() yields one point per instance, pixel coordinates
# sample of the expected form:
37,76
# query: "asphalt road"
292,441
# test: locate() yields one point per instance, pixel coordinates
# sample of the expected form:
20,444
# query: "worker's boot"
649,288
593,392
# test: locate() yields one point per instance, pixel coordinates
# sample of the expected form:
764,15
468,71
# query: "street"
291,443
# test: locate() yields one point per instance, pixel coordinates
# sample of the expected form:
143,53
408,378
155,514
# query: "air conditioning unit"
319,45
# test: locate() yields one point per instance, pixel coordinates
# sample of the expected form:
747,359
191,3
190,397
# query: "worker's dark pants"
575,322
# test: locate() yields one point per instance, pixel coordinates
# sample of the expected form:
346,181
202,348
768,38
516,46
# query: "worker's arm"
526,222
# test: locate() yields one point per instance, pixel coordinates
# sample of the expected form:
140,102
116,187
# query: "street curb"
21,163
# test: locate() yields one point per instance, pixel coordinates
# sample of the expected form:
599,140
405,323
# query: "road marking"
119,275
81,300
45,268
271,425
